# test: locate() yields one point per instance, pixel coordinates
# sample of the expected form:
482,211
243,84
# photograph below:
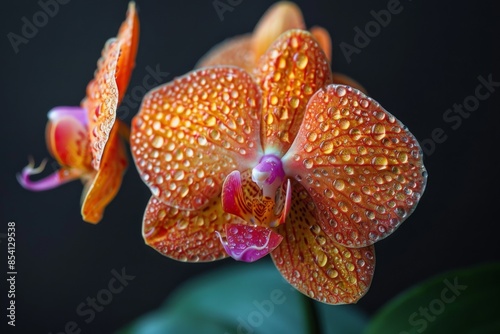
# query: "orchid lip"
244,242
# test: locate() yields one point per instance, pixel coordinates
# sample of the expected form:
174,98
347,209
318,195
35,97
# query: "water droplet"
308,163
326,147
344,124
341,91
321,240
380,162
202,141
179,175
378,131
301,60
175,121
183,191
211,121
294,102
315,229
328,193
401,212
332,273
402,157
157,142
339,184
182,224
312,136
321,258
356,197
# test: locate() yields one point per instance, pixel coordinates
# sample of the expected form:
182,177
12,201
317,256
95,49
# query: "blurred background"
429,58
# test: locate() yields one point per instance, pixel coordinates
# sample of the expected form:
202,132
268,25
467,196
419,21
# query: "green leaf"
463,301
245,298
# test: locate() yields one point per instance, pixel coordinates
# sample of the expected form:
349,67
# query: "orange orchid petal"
362,167
244,51
236,51
280,17
187,235
104,186
128,35
102,100
191,133
342,79
314,264
289,73
67,138
323,38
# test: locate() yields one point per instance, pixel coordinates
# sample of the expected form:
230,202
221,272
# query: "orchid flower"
85,140
274,158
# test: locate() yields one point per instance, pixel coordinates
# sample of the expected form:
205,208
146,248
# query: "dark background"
427,59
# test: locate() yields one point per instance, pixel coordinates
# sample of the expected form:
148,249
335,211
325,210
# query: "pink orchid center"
249,243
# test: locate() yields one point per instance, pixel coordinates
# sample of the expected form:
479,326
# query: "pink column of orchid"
271,156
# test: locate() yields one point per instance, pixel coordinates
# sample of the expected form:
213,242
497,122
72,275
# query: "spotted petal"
102,100
128,35
244,51
186,235
292,69
101,189
362,167
249,243
192,132
315,264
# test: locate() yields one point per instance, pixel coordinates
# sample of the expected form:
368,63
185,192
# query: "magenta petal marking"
76,112
52,181
231,189
249,243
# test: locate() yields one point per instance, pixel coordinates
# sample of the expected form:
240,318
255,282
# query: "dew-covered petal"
52,181
291,70
100,190
316,265
323,38
362,167
128,35
280,17
186,235
249,243
242,197
342,79
102,100
67,137
245,50
192,132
